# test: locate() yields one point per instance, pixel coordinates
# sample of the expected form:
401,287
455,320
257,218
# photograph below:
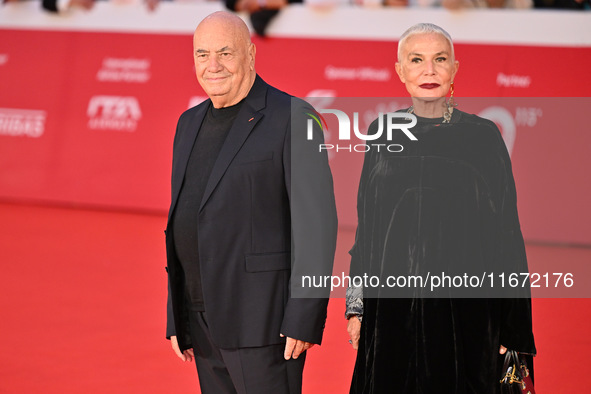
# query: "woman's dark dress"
446,203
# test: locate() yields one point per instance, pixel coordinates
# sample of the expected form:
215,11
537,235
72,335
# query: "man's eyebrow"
420,54
224,49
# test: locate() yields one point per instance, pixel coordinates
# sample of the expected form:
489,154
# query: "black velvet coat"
446,203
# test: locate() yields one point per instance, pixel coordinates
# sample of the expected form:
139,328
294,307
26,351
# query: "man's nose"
213,64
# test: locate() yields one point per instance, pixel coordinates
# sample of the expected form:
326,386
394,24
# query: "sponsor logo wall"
22,122
89,118
113,113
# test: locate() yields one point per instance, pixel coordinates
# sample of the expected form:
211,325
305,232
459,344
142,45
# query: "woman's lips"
429,85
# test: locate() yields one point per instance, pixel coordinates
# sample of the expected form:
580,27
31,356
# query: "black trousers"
258,370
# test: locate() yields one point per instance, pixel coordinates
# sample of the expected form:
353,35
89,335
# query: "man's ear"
252,51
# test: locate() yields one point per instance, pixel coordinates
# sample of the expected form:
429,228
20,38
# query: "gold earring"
449,105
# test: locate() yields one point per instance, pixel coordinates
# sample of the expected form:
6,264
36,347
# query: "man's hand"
502,350
187,355
354,330
295,347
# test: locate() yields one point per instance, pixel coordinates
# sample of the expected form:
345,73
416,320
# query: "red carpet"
83,311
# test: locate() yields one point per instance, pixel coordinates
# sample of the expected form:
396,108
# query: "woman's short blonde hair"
424,28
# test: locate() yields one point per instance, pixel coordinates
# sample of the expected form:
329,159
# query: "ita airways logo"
22,122
113,113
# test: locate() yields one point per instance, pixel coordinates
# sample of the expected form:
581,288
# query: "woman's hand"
502,350
354,330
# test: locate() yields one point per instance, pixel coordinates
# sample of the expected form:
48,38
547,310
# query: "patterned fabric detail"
354,302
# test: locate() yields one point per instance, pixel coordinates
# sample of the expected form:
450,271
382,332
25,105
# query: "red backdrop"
88,118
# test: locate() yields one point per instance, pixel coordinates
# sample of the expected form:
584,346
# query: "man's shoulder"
277,98
189,113
276,92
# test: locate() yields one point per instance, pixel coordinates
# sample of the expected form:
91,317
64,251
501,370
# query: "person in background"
261,12
563,4
61,6
462,4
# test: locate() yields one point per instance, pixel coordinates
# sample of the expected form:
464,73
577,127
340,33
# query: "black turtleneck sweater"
209,141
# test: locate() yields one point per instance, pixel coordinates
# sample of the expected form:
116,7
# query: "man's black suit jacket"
263,223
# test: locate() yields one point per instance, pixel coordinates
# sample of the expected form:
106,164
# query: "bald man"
248,218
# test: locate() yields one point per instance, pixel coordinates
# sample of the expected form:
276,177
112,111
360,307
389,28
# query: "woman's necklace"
449,109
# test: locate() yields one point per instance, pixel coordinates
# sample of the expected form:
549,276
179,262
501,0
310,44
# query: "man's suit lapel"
185,146
246,120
